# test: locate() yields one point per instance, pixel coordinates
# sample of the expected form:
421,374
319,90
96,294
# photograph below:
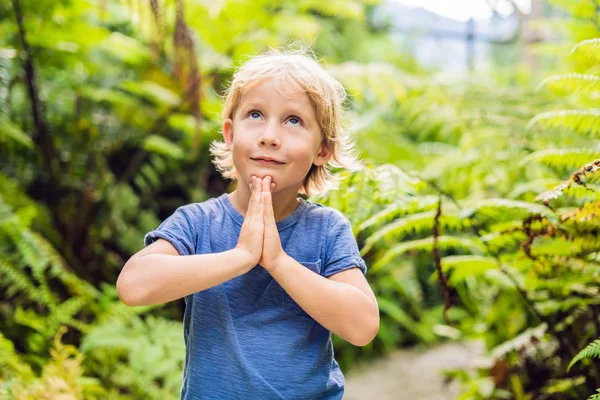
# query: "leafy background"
476,209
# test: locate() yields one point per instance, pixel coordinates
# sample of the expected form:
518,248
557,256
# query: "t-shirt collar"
239,218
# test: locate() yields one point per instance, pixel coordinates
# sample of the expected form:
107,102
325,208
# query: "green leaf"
462,267
397,314
11,132
127,49
592,350
154,92
160,145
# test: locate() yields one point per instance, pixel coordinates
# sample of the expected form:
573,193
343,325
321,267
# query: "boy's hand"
250,240
272,251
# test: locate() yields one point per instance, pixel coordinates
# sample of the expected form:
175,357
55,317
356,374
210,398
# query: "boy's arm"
343,303
158,274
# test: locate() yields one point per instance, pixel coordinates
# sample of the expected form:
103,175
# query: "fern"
573,82
463,267
62,377
588,171
562,159
444,243
589,49
582,122
592,350
153,346
400,208
503,209
583,219
415,223
10,361
535,186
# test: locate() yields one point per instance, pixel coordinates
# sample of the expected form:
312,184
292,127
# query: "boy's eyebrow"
290,110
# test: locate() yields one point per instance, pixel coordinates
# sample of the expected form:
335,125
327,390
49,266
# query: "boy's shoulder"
311,211
204,206
332,215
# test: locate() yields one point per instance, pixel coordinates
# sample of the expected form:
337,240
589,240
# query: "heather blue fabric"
247,338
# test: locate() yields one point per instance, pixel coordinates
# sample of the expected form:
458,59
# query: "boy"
266,275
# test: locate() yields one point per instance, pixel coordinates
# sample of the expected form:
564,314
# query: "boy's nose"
269,141
269,137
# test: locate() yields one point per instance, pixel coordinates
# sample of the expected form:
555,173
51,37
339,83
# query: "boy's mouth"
267,161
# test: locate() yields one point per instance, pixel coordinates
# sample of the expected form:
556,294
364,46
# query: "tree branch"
41,134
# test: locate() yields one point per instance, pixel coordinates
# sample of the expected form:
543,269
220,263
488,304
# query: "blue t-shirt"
247,338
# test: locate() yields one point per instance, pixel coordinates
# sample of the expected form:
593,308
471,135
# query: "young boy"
266,275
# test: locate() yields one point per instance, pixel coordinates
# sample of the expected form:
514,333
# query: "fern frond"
19,281
585,219
9,359
563,158
416,223
153,346
592,350
65,311
462,267
507,209
579,177
444,243
583,122
27,245
535,186
393,182
572,82
590,49
399,208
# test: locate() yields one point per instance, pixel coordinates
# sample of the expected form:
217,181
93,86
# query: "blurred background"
476,209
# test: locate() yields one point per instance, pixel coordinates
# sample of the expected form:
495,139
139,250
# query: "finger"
273,184
266,183
261,207
257,196
252,197
269,217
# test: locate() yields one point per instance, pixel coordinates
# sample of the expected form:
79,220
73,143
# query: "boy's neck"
284,202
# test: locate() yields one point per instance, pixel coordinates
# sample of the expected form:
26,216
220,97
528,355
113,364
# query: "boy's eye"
295,121
254,114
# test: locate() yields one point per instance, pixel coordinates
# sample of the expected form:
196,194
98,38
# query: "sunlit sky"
462,10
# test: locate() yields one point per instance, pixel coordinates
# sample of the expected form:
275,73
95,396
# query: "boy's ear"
323,156
228,132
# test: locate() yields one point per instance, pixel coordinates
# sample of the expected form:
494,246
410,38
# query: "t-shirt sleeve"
180,229
341,251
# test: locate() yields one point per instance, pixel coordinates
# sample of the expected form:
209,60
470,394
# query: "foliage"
62,377
476,210
107,109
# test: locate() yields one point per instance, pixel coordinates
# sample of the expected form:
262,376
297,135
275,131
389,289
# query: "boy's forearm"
341,308
160,278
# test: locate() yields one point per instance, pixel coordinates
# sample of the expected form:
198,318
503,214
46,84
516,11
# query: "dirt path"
411,374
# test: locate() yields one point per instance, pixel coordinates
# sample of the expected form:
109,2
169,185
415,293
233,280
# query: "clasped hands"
259,237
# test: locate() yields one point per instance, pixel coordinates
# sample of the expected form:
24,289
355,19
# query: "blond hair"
326,94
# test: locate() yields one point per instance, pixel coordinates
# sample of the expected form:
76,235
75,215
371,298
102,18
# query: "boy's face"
281,126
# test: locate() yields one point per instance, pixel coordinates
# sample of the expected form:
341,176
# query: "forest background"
476,209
